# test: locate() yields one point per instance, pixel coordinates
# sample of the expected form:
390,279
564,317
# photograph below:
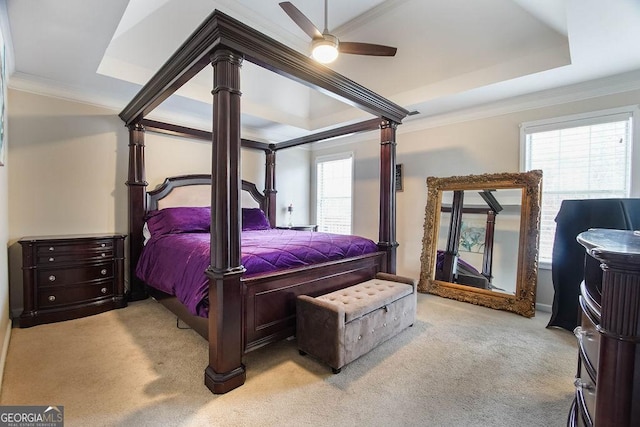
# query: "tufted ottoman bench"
341,326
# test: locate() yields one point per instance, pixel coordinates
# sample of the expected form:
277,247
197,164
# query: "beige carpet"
460,365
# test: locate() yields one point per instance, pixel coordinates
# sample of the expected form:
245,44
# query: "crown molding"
40,86
620,83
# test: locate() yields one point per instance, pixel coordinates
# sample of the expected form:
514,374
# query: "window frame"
585,119
328,158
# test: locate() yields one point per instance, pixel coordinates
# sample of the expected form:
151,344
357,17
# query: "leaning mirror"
480,241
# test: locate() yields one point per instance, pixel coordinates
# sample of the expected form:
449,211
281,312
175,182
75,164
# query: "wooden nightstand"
66,277
299,227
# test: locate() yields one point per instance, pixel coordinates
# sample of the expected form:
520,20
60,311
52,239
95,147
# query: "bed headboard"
195,190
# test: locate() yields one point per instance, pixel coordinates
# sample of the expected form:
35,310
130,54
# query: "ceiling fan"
325,46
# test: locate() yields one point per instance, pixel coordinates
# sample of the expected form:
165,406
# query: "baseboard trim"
545,308
5,350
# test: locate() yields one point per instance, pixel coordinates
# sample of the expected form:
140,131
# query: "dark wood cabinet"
608,376
66,277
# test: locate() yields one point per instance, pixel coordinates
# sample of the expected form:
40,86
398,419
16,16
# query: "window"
581,157
334,187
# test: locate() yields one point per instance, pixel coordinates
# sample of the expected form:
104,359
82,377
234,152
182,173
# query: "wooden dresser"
66,277
608,377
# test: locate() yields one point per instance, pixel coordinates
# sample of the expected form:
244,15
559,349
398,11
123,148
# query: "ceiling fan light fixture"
325,50
324,46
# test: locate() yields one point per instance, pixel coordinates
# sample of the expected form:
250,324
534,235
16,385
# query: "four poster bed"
246,309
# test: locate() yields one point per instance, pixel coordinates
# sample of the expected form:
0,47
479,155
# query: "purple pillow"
254,219
179,220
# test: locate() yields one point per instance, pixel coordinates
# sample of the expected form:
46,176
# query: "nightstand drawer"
588,338
66,257
585,396
71,246
73,275
64,295
61,252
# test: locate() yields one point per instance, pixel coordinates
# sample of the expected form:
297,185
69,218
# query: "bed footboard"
270,300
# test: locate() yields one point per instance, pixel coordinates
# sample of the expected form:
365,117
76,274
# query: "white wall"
293,183
486,145
69,164
167,156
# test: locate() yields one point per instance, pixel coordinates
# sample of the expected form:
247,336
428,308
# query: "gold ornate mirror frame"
523,302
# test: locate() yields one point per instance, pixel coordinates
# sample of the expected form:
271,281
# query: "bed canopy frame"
225,43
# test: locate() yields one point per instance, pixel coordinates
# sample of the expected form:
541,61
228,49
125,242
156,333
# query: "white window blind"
334,187
582,158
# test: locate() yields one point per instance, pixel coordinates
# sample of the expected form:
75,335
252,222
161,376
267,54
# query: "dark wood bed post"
488,245
453,241
270,186
137,207
387,230
225,371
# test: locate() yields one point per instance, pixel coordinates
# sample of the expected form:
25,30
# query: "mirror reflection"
479,248
480,240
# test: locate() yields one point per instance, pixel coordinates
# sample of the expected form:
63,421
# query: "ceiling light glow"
325,50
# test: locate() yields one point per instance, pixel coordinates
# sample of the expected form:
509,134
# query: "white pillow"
145,233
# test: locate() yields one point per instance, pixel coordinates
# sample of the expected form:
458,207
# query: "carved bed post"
387,230
487,259
137,207
270,186
225,371
453,241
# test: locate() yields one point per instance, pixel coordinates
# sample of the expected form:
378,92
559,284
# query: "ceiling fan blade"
366,49
301,20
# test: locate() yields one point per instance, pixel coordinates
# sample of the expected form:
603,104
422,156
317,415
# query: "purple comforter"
175,263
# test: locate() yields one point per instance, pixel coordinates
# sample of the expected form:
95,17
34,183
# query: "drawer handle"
103,290
52,278
582,333
51,259
51,249
52,298
104,255
584,385
103,271
103,245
